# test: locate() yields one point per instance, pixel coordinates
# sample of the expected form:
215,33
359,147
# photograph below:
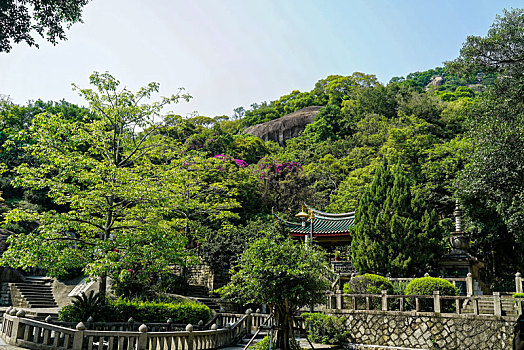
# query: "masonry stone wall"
429,330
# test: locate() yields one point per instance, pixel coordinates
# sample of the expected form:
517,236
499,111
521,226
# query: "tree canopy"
19,20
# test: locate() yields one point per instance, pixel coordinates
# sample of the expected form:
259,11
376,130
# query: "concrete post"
215,328
339,299
469,284
436,301
384,300
249,320
497,306
142,338
518,282
191,337
78,338
14,330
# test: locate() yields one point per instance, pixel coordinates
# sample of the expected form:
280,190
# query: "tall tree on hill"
394,233
494,178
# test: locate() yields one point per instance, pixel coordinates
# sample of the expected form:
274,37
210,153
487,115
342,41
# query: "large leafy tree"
394,233
112,183
20,19
282,273
494,179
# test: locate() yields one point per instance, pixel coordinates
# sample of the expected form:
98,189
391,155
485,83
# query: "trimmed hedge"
326,329
121,310
427,285
368,284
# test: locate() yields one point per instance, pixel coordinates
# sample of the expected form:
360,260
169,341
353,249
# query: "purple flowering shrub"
239,162
269,168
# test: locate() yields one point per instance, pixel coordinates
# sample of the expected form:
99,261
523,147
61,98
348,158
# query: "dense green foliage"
368,284
121,310
284,274
19,20
427,285
390,224
325,329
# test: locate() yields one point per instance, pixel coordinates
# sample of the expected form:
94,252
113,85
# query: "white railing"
32,334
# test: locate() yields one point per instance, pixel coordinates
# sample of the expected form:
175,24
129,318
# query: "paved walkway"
3,346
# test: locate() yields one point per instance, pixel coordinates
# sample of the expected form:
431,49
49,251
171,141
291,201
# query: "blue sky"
231,53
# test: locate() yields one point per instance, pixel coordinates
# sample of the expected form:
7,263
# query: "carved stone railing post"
497,306
215,338
15,330
518,282
469,284
191,337
384,300
436,301
78,338
249,320
339,299
142,338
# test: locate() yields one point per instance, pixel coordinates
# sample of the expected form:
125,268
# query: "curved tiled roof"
324,224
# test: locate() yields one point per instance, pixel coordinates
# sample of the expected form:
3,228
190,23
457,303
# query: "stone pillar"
469,284
518,282
142,338
384,300
436,301
191,337
78,338
339,299
497,306
249,320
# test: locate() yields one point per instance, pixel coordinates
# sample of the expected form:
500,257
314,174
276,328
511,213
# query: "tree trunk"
102,287
283,322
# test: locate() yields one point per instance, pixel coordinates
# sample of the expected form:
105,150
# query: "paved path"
4,346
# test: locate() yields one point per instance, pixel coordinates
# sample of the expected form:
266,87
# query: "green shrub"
121,310
146,311
84,306
325,329
518,295
368,284
263,344
426,286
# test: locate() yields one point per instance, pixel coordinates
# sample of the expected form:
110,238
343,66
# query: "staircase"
486,307
201,294
34,293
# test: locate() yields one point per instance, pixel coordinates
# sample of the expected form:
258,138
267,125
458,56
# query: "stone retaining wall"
429,330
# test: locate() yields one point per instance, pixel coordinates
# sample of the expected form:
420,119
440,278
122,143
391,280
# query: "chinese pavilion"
327,229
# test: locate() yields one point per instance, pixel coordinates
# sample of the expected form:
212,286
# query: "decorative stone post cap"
20,313
200,323
90,319
169,320
214,327
48,318
258,311
222,310
142,328
426,274
189,328
518,274
469,274
13,312
131,320
80,326
8,310
249,312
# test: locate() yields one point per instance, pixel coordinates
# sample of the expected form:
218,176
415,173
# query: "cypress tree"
394,232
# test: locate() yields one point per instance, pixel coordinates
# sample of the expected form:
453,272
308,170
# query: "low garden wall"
429,330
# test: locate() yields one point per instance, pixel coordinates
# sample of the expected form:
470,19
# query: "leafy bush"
368,284
426,286
145,311
84,306
121,310
326,329
518,295
264,344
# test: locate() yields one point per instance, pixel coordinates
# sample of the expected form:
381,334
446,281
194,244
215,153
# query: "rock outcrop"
286,127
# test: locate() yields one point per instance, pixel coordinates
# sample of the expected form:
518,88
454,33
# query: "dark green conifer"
394,231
